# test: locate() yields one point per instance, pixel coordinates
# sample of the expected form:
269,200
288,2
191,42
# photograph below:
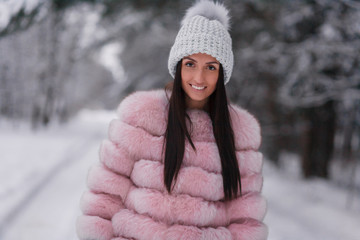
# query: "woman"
181,163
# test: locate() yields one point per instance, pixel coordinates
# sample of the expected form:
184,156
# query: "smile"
197,88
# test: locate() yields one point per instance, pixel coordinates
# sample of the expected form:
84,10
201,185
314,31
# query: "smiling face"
199,75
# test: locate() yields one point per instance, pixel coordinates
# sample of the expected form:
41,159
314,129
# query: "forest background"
297,69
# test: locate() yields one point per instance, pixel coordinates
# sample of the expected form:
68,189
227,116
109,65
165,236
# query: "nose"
199,77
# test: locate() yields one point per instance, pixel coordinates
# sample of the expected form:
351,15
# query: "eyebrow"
196,61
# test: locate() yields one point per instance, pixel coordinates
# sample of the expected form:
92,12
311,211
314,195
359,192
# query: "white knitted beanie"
204,30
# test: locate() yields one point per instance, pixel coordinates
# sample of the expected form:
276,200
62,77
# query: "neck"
201,105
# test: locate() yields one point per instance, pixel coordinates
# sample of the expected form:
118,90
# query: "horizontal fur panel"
102,180
249,229
129,224
142,145
136,141
193,181
148,110
93,227
187,210
206,157
99,204
115,158
150,105
246,129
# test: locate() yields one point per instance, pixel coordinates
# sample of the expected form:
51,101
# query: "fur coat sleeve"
127,198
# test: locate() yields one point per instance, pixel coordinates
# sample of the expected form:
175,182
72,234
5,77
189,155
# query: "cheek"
213,80
212,88
185,75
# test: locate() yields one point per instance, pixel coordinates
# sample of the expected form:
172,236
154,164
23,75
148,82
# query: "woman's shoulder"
145,109
148,110
246,128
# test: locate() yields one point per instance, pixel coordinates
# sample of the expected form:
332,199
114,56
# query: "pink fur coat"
127,198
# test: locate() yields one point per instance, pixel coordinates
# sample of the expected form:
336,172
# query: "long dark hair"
176,132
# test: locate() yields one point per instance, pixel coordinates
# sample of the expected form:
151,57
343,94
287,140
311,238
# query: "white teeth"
198,88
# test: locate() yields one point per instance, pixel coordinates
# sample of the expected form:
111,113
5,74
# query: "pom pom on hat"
210,10
204,29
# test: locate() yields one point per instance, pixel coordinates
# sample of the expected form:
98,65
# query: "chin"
198,99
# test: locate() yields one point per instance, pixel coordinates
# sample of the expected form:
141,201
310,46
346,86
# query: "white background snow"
43,175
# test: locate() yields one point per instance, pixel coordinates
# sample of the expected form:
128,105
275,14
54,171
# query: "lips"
197,87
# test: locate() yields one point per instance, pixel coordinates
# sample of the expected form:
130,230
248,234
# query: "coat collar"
148,110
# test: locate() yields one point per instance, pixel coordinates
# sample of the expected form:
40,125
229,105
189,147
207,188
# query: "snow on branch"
10,9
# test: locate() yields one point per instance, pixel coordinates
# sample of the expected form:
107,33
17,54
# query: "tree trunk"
319,141
349,129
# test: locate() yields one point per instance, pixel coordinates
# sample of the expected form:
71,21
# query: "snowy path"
53,167
307,210
43,176
51,208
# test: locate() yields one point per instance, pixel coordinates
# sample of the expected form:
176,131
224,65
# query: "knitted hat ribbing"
204,30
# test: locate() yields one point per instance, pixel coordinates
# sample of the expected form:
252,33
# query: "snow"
110,59
43,175
92,30
9,8
313,209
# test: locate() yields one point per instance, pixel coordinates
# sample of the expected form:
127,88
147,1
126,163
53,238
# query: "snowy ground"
43,174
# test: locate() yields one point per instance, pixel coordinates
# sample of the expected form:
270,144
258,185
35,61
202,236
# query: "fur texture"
102,180
149,174
127,198
147,229
102,205
153,120
115,156
210,10
190,210
93,227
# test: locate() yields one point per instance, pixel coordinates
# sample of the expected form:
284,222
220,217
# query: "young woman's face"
199,75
